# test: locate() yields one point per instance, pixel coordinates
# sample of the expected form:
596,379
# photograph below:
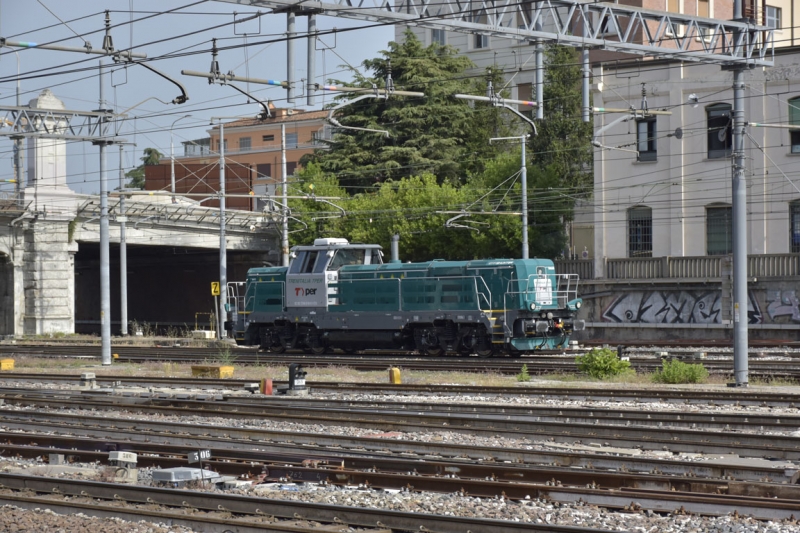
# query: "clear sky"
180,30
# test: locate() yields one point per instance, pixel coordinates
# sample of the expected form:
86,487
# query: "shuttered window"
719,230
794,120
640,232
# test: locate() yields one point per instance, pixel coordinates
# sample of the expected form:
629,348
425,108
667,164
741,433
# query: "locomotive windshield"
347,257
304,262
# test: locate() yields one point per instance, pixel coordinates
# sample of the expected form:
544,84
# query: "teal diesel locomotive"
338,295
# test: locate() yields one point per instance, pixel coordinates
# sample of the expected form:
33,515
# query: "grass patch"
675,372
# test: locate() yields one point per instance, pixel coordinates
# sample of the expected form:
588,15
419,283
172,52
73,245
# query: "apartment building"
251,146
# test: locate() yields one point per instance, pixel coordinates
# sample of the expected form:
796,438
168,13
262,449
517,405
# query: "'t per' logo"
300,291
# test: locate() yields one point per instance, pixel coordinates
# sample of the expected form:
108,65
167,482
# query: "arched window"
720,130
794,227
640,231
719,229
794,120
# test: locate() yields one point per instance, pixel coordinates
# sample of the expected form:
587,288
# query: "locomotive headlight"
578,305
533,307
549,316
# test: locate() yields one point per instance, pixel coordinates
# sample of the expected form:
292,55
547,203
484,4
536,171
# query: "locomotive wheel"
319,350
484,352
277,348
433,351
350,351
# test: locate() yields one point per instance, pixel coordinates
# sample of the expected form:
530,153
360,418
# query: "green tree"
548,207
313,218
136,176
436,134
563,143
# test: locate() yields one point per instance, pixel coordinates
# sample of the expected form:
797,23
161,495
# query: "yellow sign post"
215,288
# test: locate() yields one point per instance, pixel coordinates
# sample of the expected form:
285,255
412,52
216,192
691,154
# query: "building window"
439,37
267,138
772,17
244,144
291,166
705,9
291,139
794,120
640,232
263,171
675,6
646,139
794,220
719,239
480,41
478,15
720,130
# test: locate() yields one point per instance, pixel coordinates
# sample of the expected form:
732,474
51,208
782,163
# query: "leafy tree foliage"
564,140
436,134
136,176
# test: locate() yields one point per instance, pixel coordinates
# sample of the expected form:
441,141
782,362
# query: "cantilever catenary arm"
336,123
343,212
183,97
264,114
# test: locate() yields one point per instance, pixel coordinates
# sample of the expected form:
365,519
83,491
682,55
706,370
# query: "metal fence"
698,267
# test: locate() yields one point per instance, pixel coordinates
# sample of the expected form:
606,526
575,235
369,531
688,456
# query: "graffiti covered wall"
677,307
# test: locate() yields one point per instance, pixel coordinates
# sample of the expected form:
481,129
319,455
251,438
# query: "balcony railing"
698,267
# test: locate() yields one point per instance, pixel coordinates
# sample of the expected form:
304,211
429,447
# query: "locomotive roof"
335,244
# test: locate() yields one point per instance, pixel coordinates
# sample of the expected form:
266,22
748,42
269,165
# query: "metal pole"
311,63
105,296
223,272
524,179
284,199
172,154
123,255
539,79
586,76
739,198
20,185
396,248
290,33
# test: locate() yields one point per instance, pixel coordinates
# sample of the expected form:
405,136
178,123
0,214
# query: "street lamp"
172,153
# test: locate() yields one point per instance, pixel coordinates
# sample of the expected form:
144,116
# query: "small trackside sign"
198,456
215,288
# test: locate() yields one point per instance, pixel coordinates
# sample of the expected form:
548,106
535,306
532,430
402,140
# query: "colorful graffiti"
783,303
680,307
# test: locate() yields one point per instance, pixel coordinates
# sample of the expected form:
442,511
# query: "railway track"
416,469
785,365
140,386
578,453
250,514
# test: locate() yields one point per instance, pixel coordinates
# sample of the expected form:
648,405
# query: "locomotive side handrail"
481,294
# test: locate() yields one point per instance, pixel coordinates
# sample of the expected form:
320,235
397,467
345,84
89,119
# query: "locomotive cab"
314,270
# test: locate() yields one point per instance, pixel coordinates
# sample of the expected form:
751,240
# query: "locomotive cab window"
303,263
346,257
